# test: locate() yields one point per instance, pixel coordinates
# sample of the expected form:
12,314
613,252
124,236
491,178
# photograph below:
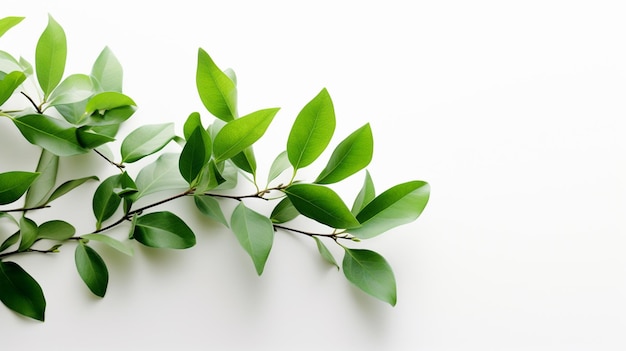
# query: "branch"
334,236
32,102
118,165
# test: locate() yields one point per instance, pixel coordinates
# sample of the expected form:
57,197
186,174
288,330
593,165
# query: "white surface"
514,112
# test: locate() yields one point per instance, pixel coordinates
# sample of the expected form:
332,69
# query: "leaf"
68,186
7,23
108,100
92,269
312,130
9,83
210,207
163,230
160,175
105,200
47,167
321,204
371,273
89,138
255,233
107,71
8,63
192,122
325,252
398,205
351,155
72,89
365,195
14,184
54,135
20,292
28,232
284,211
194,155
245,160
50,56
217,91
11,240
114,243
279,165
56,230
146,140
241,133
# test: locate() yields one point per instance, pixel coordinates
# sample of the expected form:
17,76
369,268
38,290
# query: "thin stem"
24,209
38,108
333,235
118,165
6,254
258,195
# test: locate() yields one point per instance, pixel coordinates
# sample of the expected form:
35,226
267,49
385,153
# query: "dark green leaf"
280,164
68,186
56,230
365,195
54,135
14,184
108,100
192,122
28,232
210,208
50,56
114,243
217,91
92,269
163,230
398,205
105,200
325,252
11,240
9,83
351,155
146,140
75,88
312,130
241,133
284,211
160,175
90,138
39,190
321,204
194,155
7,23
20,292
245,160
255,233
371,273
107,71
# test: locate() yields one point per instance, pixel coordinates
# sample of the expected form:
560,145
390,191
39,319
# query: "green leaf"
8,63
105,200
280,164
8,22
312,130
11,240
54,135
72,89
163,230
20,292
92,269
39,190
398,205
9,83
325,252
107,71
28,232
68,186
255,233
365,195
56,230
210,207
50,56
108,100
192,122
351,155
217,91
321,204
14,184
114,243
89,138
245,160
241,133
160,175
371,273
146,140
284,211
194,155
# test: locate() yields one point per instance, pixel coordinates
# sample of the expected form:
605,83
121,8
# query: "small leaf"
194,155
7,23
107,71
245,160
312,130
10,241
50,56
365,195
90,138
210,207
28,232
284,211
9,83
54,135
68,186
398,205
217,91
321,204
108,100
241,133
280,164
192,122
255,234
14,184
160,175
56,230
351,155
146,140
105,200
325,252
47,167
72,89
114,243
371,273
163,230
20,292
92,269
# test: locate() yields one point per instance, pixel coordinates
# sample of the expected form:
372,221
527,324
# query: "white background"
513,111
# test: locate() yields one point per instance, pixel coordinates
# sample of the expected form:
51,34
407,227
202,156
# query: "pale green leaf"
146,140
20,292
325,253
75,88
68,186
210,207
47,167
50,56
254,232
192,122
365,195
114,243
107,71
321,204
351,155
217,91
371,273
279,165
160,175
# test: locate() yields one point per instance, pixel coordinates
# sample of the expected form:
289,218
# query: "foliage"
82,113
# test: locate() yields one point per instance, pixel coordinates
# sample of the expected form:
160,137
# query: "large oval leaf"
163,230
241,133
217,91
321,204
351,155
107,71
14,184
371,273
50,56
20,292
56,230
398,205
52,134
311,131
146,140
255,234
92,269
